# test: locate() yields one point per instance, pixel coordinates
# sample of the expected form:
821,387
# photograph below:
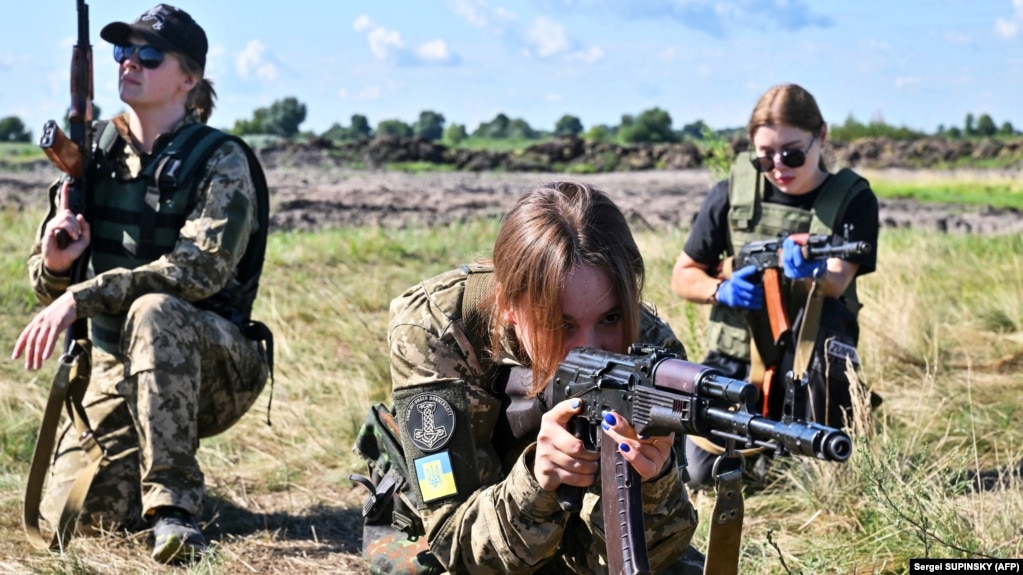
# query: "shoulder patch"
436,477
429,421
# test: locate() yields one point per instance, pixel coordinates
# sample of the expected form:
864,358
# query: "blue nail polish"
644,437
624,447
610,419
575,404
604,425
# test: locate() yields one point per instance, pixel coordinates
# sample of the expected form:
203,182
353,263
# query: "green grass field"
942,342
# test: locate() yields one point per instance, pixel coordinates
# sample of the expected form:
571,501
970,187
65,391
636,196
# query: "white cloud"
1009,28
548,38
385,43
388,46
1006,28
542,38
362,23
434,51
480,14
254,63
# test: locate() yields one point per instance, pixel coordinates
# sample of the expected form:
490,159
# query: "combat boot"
176,535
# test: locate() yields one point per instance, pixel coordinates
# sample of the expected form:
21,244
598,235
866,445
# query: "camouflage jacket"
480,515
206,255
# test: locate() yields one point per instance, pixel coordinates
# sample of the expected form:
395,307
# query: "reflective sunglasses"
149,56
790,158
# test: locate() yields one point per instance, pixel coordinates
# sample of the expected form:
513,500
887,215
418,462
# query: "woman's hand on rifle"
795,264
740,291
58,261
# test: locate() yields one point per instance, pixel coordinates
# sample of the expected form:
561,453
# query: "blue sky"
917,63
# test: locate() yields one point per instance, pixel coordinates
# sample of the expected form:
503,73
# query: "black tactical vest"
138,220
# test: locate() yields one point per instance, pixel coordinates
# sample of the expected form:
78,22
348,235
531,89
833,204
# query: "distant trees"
496,128
12,129
455,134
358,130
601,133
983,126
394,127
282,118
651,126
853,129
430,125
568,125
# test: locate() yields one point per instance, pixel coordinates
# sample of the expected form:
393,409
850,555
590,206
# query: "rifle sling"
67,389
726,524
807,338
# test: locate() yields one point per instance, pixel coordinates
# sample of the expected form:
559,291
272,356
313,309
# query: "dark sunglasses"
149,56
790,158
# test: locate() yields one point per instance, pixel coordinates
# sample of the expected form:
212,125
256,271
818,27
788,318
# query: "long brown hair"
547,233
202,96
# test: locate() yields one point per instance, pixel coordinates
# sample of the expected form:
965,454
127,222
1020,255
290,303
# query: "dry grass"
935,471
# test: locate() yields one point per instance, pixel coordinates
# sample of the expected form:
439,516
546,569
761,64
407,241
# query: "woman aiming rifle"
566,272
781,187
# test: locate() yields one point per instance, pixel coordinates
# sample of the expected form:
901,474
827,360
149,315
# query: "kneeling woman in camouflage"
465,485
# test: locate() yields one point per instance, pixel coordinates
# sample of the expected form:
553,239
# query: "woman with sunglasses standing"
173,234
782,187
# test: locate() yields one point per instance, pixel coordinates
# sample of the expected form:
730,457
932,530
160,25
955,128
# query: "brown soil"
318,198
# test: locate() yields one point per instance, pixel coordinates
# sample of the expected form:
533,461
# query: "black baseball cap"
166,27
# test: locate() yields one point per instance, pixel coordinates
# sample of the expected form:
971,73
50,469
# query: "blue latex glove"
739,291
795,265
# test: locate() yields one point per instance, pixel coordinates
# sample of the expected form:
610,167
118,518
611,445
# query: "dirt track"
308,199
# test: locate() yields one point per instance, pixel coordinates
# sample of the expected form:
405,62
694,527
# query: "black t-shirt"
709,242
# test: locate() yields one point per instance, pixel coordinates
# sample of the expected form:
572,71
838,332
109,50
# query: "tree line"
284,117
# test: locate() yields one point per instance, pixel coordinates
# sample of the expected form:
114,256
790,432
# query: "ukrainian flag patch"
436,479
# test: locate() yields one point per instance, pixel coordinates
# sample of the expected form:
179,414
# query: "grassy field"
935,473
976,187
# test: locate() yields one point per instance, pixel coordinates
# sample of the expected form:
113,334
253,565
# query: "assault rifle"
766,255
73,156
659,394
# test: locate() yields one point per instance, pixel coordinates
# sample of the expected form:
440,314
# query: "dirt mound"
571,154
317,197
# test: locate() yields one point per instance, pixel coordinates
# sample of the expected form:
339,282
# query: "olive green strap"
808,329
68,386
726,523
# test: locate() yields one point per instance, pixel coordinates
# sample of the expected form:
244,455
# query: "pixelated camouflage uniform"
507,523
179,373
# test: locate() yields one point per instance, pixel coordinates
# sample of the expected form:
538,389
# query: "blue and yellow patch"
436,479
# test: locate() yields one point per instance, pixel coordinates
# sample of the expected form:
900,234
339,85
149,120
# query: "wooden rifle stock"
775,304
61,150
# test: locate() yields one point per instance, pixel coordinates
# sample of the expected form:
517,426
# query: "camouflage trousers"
182,374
